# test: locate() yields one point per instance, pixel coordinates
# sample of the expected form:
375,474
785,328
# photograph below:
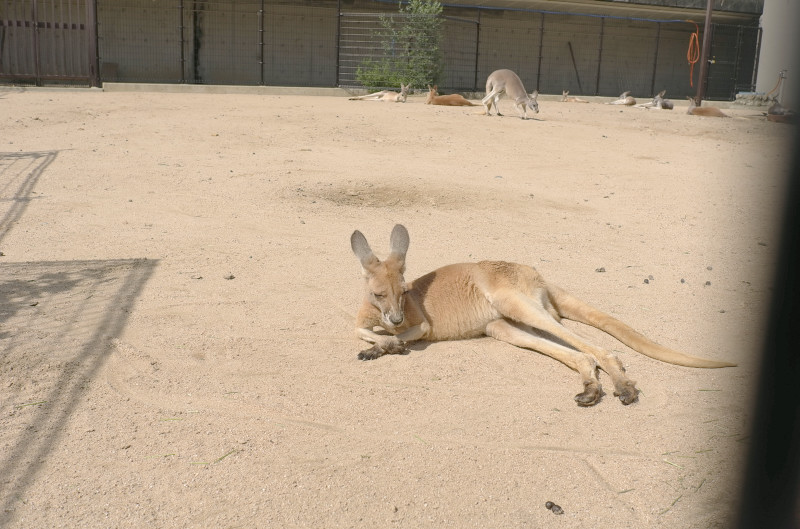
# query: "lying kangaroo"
450,100
507,301
500,81
386,95
661,102
712,112
624,99
566,98
658,102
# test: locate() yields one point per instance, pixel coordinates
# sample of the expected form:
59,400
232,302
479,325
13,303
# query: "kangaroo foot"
591,394
627,392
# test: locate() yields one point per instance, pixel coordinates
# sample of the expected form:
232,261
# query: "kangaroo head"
532,103
432,92
386,287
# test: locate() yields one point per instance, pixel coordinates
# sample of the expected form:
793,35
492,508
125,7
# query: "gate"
51,41
733,63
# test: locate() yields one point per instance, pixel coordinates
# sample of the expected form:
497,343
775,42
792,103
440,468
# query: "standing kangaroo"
386,95
507,301
712,112
500,81
450,100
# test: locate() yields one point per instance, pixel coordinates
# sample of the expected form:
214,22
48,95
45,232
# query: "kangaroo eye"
378,296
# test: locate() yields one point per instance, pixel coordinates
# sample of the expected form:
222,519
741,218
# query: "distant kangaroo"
712,112
625,98
658,102
661,102
450,100
566,98
507,301
386,95
500,81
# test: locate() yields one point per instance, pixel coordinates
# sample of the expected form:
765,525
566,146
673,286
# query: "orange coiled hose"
693,54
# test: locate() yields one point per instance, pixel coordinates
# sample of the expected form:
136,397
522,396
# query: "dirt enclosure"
177,295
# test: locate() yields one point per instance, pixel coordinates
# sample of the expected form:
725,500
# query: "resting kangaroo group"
507,301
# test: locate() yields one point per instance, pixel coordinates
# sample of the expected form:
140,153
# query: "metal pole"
701,85
541,56
261,45
477,50
94,55
36,59
183,52
338,41
655,60
600,55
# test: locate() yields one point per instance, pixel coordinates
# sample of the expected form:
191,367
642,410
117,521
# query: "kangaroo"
500,81
661,102
779,114
507,301
450,100
386,95
566,98
624,99
712,112
658,102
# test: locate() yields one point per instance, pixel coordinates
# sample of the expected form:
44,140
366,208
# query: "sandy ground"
177,295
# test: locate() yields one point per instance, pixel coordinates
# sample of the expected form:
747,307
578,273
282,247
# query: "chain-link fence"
321,43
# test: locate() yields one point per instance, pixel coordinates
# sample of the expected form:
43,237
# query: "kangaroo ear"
399,243
362,250
535,94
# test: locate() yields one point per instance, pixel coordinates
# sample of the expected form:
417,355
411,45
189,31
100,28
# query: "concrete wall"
779,49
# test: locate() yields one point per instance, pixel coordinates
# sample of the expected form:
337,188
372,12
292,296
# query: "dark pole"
701,84
94,55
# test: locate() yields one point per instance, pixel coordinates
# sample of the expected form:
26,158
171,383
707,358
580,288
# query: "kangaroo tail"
572,308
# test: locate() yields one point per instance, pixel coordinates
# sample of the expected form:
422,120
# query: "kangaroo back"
572,308
695,110
506,81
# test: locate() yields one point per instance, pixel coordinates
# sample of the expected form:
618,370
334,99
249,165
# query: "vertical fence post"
737,64
541,43
261,44
655,60
477,49
600,55
701,85
36,61
94,56
181,43
338,38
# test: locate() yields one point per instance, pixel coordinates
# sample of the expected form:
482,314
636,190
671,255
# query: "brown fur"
450,100
508,301
566,98
712,112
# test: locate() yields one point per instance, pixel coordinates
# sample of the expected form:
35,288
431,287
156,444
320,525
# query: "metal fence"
318,43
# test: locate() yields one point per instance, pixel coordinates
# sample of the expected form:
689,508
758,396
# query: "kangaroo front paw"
627,392
591,395
371,354
392,346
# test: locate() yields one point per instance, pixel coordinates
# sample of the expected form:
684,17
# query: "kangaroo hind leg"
537,312
522,336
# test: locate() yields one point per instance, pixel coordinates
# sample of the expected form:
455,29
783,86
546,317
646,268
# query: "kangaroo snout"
395,318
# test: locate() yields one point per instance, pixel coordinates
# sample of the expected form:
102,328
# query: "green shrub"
410,44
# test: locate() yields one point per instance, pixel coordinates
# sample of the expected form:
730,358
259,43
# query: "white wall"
779,49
